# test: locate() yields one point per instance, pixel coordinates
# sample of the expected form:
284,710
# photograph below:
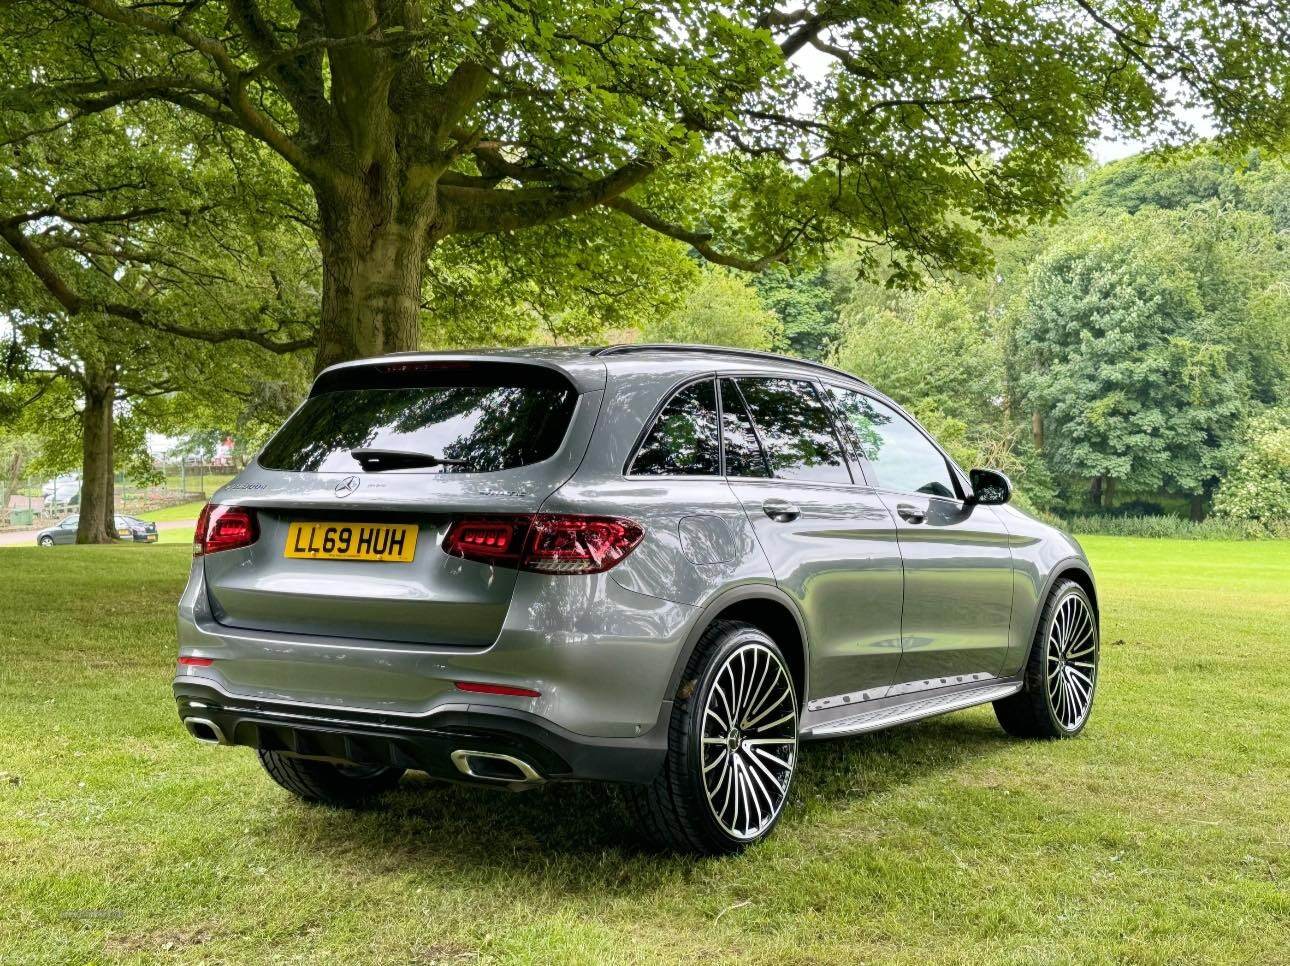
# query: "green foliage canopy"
722,309
414,122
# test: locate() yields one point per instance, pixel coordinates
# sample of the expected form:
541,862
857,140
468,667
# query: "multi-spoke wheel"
1071,656
749,740
732,746
1061,673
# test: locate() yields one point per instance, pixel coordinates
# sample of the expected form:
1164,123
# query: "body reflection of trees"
796,429
683,440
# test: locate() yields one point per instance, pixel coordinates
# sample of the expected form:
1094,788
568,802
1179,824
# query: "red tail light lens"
567,544
224,528
491,540
548,543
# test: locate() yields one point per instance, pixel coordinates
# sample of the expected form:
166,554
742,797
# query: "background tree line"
1133,358
202,203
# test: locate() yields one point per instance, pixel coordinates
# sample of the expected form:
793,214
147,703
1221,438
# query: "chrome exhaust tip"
492,766
205,731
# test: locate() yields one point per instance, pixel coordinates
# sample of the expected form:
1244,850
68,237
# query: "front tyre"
732,747
1061,672
344,786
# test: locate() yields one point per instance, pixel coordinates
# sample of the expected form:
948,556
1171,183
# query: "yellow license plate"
392,542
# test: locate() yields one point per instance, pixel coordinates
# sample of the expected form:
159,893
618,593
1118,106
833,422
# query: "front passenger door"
958,565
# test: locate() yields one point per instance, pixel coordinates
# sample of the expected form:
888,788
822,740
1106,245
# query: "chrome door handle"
781,511
911,513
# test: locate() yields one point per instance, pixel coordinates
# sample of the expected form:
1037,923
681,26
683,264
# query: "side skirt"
886,712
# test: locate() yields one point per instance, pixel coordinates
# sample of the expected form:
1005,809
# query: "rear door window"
796,429
744,456
479,419
683,440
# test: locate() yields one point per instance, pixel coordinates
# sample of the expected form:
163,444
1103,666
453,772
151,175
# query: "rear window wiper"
375,460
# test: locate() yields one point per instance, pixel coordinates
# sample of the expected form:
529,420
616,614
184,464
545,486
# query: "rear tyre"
46,541
732,747
343,786
1061,672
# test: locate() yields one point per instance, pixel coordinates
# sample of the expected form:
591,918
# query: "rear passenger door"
830,542
958,565
699,540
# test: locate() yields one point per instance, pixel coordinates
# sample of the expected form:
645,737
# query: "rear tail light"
196,661
224,528
547,543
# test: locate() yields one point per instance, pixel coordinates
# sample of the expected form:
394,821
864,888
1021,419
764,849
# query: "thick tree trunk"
373,263
97,491
1037,429
1108,494
1197,507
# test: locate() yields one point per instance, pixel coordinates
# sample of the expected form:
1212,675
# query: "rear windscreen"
479,419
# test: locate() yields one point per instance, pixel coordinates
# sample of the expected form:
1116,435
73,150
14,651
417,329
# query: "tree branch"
700,241
74,304
250,118
475,210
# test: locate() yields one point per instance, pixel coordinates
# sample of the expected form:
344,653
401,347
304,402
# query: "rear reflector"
548,543
224,528
479,687
197,661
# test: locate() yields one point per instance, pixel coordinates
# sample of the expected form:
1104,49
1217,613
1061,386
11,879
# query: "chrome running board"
925,707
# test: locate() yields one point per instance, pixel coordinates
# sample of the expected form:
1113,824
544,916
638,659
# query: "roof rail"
617,350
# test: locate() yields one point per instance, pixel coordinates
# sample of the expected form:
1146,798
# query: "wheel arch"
769,609
1077,570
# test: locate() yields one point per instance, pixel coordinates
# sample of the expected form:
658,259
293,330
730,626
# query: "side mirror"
990,487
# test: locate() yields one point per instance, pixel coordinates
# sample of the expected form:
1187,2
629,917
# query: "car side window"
796,429
70,523
744,456
683,440
901,456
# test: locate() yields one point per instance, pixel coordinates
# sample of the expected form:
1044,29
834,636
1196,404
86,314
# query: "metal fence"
37,501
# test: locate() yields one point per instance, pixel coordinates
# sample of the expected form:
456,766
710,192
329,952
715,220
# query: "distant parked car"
140,531
127,528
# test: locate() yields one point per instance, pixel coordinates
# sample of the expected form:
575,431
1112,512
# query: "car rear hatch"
348,549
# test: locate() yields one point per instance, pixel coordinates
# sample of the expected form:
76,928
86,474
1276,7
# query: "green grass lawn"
1160,836
181,511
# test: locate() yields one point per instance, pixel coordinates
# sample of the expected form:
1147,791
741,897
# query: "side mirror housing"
990,487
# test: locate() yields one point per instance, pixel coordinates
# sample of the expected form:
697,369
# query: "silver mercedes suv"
657,565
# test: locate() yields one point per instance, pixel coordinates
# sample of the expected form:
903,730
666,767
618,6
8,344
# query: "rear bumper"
421,742
600,656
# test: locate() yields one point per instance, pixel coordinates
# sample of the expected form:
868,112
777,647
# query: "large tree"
132,269
1140,341
415,121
